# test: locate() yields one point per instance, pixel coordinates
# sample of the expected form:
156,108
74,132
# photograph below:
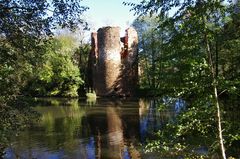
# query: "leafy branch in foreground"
195,52
25,26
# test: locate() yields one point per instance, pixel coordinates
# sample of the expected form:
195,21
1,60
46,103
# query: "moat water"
78,128
73,128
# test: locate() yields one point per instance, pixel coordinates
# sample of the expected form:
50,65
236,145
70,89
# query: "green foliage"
16,65
15,115
57,75
32,17
195,129
150,52
186,134
25,27
181,60
81,56
199,51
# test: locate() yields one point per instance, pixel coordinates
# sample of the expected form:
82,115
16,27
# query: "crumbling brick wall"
129,63
114,66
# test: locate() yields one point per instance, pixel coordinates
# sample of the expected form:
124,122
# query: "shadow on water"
72,128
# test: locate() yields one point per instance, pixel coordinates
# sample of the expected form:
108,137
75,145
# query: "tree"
24,27
57,75
149,46
193,50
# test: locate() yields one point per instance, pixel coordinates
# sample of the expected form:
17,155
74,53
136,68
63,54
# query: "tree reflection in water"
73,129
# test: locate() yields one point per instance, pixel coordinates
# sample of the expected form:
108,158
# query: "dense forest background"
187,49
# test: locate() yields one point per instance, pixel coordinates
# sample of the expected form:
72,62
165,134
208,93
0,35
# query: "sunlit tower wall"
108,61
114,70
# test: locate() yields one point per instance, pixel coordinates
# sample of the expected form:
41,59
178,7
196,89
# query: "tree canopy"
30,55
198,49
25,25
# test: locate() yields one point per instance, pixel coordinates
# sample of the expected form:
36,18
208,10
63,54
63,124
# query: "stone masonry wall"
114,65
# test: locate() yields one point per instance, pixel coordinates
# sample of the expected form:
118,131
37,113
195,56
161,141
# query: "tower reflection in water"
114,129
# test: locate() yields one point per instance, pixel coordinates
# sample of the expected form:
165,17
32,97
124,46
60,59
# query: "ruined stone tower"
113,63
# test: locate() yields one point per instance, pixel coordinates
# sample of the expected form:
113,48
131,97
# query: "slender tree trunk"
153,60
216,55
216,101
219,123
146,66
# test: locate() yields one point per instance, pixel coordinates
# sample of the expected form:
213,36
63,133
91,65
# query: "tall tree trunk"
146,65
153,60
216,55
215,92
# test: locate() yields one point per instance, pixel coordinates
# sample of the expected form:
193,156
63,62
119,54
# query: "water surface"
73,128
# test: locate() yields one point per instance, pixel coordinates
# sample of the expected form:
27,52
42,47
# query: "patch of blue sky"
109,13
